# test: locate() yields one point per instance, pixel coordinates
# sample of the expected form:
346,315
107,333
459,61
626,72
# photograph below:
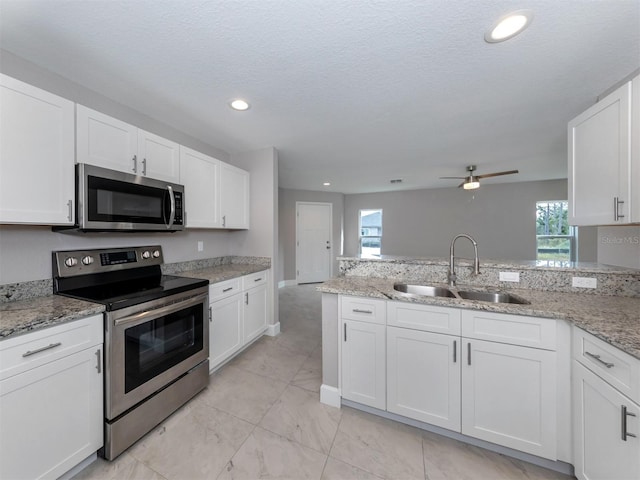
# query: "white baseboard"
273,330
330,396
81,466
287,283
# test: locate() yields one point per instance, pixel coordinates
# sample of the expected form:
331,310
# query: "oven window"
157,345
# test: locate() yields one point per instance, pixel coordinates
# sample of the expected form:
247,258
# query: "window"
370,232
555,238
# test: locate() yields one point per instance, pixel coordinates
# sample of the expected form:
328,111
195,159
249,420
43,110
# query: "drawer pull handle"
357,310
258,279
225,290
38,350
597,357
624,415
99,361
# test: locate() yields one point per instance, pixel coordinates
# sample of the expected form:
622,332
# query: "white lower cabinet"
606,410
239,314
363,363
423,376
487,375
51,400
509,396
225,332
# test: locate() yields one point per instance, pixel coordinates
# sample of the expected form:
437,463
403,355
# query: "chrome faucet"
451,277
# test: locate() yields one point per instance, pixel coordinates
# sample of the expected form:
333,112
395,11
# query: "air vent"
396,180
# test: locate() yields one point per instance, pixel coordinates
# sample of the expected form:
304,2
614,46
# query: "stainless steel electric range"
156,335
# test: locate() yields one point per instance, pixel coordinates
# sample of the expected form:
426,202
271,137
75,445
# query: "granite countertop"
24,316
221,273
615,320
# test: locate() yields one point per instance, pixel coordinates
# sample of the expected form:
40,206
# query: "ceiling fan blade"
496,174
441,178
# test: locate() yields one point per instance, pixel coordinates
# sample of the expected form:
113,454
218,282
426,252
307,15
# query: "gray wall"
500,217
619,246
287,227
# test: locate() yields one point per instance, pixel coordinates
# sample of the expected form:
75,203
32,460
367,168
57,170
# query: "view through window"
370,232
555,237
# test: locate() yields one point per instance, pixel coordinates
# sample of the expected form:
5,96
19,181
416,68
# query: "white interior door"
314,249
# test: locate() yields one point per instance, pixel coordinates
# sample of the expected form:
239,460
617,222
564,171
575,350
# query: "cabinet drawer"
363,309
424,317
31,350
255,279
512,329
619,369
220,290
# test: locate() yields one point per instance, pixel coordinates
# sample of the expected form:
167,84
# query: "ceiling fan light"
471,184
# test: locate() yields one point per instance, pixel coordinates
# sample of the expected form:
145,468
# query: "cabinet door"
36,155
106,142
423,376
200,175
234,196
51,417
509,396
225,332
599,161
255,312
600,452
159,158
364,363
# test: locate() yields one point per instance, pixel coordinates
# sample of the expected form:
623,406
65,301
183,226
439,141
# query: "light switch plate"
584,282
200,245
509,276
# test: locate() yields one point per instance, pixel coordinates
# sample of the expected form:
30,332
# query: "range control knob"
71,262
146,254
156,253
88,260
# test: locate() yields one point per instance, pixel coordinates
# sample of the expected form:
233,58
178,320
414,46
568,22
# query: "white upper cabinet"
36,155
159,158
110,143
604,160
200,175
234,196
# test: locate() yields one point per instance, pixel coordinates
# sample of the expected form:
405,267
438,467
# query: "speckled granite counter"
24,316
613,319
221,273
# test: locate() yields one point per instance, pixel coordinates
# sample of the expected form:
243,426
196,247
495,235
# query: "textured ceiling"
352,92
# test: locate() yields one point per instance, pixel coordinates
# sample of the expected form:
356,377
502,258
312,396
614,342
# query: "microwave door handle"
172,199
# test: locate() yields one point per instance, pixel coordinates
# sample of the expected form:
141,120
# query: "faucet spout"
451,277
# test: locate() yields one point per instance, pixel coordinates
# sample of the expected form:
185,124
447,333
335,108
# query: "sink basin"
493,297
424,290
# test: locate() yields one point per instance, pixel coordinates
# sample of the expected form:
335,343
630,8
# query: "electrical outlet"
584,282
200,245
509,276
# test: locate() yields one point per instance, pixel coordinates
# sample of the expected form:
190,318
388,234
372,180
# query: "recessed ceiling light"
509,26
327,184
239,104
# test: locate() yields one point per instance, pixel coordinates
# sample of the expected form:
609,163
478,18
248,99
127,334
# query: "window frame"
362,237
572,236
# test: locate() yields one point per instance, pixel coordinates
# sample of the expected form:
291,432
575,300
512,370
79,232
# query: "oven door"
148,349
111,200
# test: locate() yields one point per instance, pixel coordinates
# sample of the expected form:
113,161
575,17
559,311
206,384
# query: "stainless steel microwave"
108,200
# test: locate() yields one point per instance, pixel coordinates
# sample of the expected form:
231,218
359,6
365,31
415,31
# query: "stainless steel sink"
425,290
493,297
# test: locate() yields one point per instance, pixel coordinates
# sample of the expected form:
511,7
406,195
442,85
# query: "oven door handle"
172,200
160,312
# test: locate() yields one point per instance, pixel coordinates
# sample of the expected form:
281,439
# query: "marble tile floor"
261,417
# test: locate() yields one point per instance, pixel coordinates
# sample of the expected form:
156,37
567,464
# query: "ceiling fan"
472,181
